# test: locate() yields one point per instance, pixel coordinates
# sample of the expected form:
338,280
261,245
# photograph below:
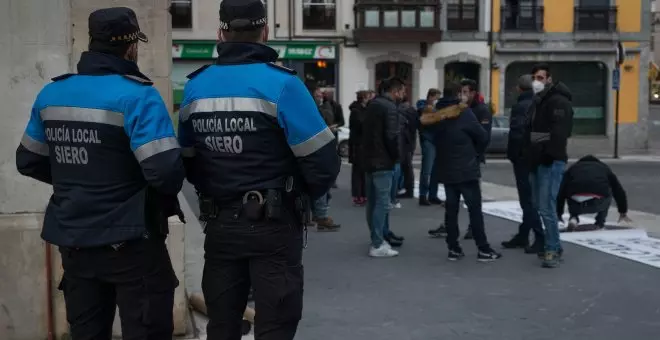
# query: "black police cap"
242,15
115,25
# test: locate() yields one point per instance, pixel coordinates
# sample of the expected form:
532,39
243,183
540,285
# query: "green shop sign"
289,50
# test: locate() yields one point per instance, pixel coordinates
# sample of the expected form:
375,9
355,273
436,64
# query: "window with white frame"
319,15
181,11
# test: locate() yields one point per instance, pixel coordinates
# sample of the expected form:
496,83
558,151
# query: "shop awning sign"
207,50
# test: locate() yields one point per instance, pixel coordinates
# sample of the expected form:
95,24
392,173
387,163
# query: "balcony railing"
522,18
462,17
595,19
387,21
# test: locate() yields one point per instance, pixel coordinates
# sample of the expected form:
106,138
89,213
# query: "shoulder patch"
62,77
138,79
282,68
197,72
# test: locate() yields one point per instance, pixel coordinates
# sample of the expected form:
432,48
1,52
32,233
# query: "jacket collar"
100,64
525,95
245,53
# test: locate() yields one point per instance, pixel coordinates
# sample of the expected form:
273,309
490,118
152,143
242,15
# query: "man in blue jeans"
381,151
428,184
521,172
551,123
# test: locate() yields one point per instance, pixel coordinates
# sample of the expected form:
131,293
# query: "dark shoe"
440,231
436,201
394,243
423,201
516,242
395,236
550,259
488,255
468,235
455,254
326,224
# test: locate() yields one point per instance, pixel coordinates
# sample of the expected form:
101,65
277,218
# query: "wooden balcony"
595,19
400,21
522,18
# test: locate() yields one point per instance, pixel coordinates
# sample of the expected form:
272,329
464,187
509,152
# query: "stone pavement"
420,295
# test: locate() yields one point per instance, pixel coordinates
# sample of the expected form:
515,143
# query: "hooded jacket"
551,124
591,176
459,139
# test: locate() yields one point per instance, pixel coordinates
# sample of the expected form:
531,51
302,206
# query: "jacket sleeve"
32,158
154,143
339,115
392,133
562,116
475,130
618,192
485,118
309,138
187,142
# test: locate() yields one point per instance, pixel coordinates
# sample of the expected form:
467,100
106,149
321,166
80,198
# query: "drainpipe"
491,55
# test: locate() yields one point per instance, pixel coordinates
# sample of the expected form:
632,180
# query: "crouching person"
588,187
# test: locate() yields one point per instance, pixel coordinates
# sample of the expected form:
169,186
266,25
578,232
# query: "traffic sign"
616,79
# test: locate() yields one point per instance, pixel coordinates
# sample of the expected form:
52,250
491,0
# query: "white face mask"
537,86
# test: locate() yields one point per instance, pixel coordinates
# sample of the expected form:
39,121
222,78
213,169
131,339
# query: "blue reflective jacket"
246,124
104,140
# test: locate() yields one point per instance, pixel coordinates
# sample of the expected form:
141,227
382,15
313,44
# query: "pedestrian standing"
355,153
104,140
425,106
409,139
551,120
521,171
257,150
381,150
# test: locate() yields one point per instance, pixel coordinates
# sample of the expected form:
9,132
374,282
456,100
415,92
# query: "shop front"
313,61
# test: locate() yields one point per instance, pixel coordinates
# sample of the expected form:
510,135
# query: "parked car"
342,136
499,136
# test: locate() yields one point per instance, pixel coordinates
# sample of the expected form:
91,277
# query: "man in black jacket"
517,128
469,91
355,154
409,123
551,118
460,139
589,186
381,153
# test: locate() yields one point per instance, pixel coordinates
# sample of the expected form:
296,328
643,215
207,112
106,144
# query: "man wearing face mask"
551,123
104,140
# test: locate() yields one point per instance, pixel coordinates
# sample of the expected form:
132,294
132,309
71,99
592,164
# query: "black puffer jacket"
459,143
551,119
355,123
380,139
591,176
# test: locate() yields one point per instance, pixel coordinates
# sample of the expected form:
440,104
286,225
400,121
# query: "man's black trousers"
408,173
264,255
357,181
137,277
471,192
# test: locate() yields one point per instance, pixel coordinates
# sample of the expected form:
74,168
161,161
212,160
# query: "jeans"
471,192
396,178
428,160
531,219
407,174
379,185
545,182
598,206
321,207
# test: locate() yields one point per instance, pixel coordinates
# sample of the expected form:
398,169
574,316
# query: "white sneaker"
397,205
572,224
385,250
401,191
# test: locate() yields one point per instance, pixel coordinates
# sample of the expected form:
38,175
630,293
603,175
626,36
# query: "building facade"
352,45
578,39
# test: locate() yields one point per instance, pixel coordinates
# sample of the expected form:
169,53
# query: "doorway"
399,69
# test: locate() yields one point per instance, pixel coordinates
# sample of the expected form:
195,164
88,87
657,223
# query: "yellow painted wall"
495,90
558,15
629,96
495,16
629,15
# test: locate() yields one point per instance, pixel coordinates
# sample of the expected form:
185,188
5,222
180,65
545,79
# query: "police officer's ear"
221,38
264,36
132,52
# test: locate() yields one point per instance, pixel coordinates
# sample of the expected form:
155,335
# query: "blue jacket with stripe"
246,124
104,139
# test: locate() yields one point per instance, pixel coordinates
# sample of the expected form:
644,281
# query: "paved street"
420,295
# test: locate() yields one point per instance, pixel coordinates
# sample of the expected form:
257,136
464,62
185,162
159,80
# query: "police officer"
104,140
257,150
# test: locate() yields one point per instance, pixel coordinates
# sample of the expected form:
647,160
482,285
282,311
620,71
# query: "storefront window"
588,84
319,15
322,72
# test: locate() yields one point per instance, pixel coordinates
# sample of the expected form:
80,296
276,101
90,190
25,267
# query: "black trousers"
137,277
357,181
408,173
471,192
264,255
